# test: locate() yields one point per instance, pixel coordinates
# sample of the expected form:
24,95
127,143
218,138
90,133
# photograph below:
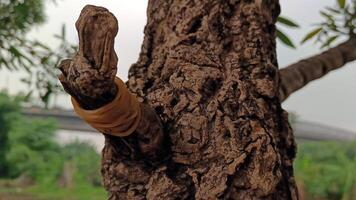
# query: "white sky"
331,100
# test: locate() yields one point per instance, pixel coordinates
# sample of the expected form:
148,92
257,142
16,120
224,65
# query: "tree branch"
89,77
297,75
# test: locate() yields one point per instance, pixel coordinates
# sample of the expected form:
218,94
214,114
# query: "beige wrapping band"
120,117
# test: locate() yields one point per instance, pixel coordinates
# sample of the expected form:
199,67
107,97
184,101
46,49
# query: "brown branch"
89,77
301,73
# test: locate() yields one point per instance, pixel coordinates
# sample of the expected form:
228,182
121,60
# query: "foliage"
338,22
27,145
281,35
86,162
42,77
31,150
87,180
8,109
20,15
17,52
327,169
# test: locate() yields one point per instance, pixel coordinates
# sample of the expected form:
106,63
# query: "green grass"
327,169
53,192
75,193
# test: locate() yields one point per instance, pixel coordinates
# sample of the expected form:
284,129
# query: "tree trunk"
209,70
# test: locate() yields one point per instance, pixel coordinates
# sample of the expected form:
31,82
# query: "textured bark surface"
297,75
89,76
209,70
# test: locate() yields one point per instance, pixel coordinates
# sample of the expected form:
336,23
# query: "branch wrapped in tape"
119,117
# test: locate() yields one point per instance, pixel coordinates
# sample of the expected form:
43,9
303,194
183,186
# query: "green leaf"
15,52
341,3
311,34
39,44
26,80
287,22
329,41
63,31
328,16
57,36
3,61
284,39
333,10
28,96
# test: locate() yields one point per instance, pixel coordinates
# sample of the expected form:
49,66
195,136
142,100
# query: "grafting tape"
119,117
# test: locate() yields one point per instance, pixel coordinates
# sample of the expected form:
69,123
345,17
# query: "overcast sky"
331,100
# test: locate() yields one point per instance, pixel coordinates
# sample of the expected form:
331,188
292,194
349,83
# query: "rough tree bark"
208,70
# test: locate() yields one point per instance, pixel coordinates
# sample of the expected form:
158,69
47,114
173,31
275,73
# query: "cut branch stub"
89,76
97,28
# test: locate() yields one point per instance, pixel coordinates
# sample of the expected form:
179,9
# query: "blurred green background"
34,166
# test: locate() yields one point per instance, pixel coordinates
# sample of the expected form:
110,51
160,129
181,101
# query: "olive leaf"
329,41
287,22
285,39
311,34
341,3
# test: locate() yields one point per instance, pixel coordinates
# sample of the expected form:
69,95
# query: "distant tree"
17,52
26,146
8,109
33,151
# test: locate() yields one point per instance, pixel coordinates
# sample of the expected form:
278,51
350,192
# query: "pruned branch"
89,77
297,75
